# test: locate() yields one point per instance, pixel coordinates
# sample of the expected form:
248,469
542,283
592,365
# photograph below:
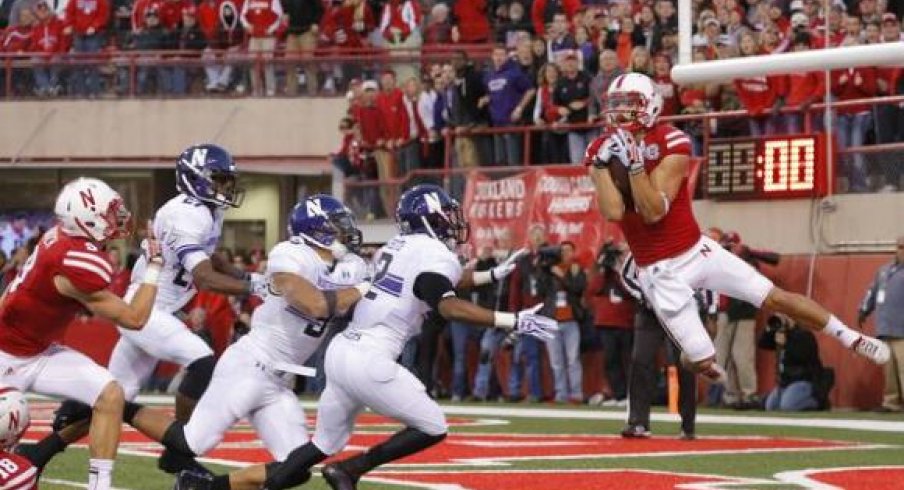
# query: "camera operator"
493,296
649,336
886,297
561,285
613,316
524,292
798,367
735,333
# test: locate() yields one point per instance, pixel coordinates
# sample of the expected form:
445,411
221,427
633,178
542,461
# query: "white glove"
508,265
529,322
622,146
257,284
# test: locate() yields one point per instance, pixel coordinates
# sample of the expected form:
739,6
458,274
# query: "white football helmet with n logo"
632,102
89,208
14,416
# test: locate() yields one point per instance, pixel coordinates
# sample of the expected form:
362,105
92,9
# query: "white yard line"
73,484
564,413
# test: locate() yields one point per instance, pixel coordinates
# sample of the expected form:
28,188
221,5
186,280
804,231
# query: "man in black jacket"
797,365
466,112
304,19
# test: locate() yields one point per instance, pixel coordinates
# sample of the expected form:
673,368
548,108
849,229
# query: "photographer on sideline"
613,316
886,297
562,284
736,331
524,292
797,365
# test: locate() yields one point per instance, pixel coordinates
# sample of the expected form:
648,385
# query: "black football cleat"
637,431
173,462
189,480
338,478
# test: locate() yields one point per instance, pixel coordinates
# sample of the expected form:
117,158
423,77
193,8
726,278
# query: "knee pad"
197,377
70,412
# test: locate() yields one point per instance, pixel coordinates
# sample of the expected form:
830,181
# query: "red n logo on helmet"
13,420
87,197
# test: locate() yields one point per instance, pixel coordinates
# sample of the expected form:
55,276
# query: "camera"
608,256
549,256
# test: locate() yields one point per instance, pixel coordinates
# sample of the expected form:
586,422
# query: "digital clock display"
771,167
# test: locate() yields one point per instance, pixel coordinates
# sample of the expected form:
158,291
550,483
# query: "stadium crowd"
596,311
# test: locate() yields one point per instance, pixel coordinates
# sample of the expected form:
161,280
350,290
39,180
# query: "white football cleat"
871,348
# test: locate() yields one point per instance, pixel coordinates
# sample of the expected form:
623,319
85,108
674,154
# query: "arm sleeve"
89,271
432,287
186,239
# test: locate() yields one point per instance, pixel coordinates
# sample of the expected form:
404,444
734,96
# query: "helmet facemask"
449,226
340,234
224,189
627,110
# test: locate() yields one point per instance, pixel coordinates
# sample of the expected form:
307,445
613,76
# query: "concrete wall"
129,128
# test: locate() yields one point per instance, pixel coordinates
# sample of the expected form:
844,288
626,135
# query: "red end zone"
534,480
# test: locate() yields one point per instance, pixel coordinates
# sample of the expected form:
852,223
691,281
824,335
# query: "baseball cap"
799,19
889,17
796,5
370,85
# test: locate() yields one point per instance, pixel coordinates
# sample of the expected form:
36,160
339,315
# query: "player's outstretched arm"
106,304
310,300
438,292
206,277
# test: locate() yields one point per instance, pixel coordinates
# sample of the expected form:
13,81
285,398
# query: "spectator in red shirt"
613,316
261,19
471,22
47,39
219,21
400,31
662,68
18,39
853,122
542,12
86,20
762,97
375,136
804,89
439,28
346,26
553,143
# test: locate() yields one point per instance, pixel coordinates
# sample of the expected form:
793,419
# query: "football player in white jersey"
188,226
414,273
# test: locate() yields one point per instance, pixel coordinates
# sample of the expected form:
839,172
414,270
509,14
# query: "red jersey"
34,314
678,230
16,472
758,94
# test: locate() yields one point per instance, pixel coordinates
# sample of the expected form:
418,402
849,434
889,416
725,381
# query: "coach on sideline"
886,297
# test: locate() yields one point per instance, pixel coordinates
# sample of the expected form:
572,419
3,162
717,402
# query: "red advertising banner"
561,199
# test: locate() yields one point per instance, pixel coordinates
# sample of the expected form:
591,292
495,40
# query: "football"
621,178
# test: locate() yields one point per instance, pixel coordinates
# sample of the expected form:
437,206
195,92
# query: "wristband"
502,319
636,169
151,273
479,278
362,288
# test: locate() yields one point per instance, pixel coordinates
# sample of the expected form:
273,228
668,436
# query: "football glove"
529,322
257,284
508,265
623,147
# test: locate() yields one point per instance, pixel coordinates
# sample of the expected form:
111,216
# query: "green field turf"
140,473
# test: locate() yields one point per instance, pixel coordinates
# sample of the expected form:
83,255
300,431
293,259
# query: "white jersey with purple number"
188,231
390,313
280,333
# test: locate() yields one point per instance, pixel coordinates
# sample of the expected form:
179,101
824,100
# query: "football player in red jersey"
69,273
644,164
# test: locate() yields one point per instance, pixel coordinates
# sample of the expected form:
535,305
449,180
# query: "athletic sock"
100,474
41,452
220,482
840,331
403,443
295,469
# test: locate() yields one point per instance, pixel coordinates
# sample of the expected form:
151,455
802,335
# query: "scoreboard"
773,167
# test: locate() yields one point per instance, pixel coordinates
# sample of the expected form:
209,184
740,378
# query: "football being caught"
621,178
